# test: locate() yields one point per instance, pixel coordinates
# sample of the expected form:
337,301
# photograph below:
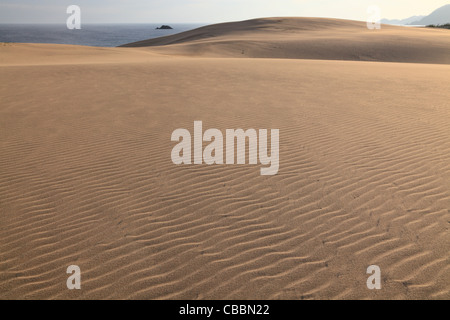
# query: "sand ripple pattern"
86,178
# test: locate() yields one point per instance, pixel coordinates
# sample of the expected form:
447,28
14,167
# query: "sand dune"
308,38
86,176
27,54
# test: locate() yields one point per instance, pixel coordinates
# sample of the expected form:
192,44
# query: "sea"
97,35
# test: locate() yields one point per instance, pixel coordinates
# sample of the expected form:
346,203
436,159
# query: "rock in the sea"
164,27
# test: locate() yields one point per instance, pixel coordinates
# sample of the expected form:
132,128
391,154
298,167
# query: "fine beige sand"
86,176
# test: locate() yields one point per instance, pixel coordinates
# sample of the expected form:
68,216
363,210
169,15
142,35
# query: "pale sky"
205,11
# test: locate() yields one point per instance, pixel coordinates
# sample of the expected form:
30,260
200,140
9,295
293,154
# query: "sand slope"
86,177
309,38
27,54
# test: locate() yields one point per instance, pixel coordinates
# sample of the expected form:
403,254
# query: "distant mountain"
439,16
402,22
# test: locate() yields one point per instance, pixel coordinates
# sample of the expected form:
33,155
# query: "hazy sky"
205,11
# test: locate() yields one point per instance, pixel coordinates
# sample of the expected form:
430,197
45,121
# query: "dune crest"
308,38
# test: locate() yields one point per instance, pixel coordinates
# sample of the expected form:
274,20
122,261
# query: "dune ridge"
86,176
308,38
